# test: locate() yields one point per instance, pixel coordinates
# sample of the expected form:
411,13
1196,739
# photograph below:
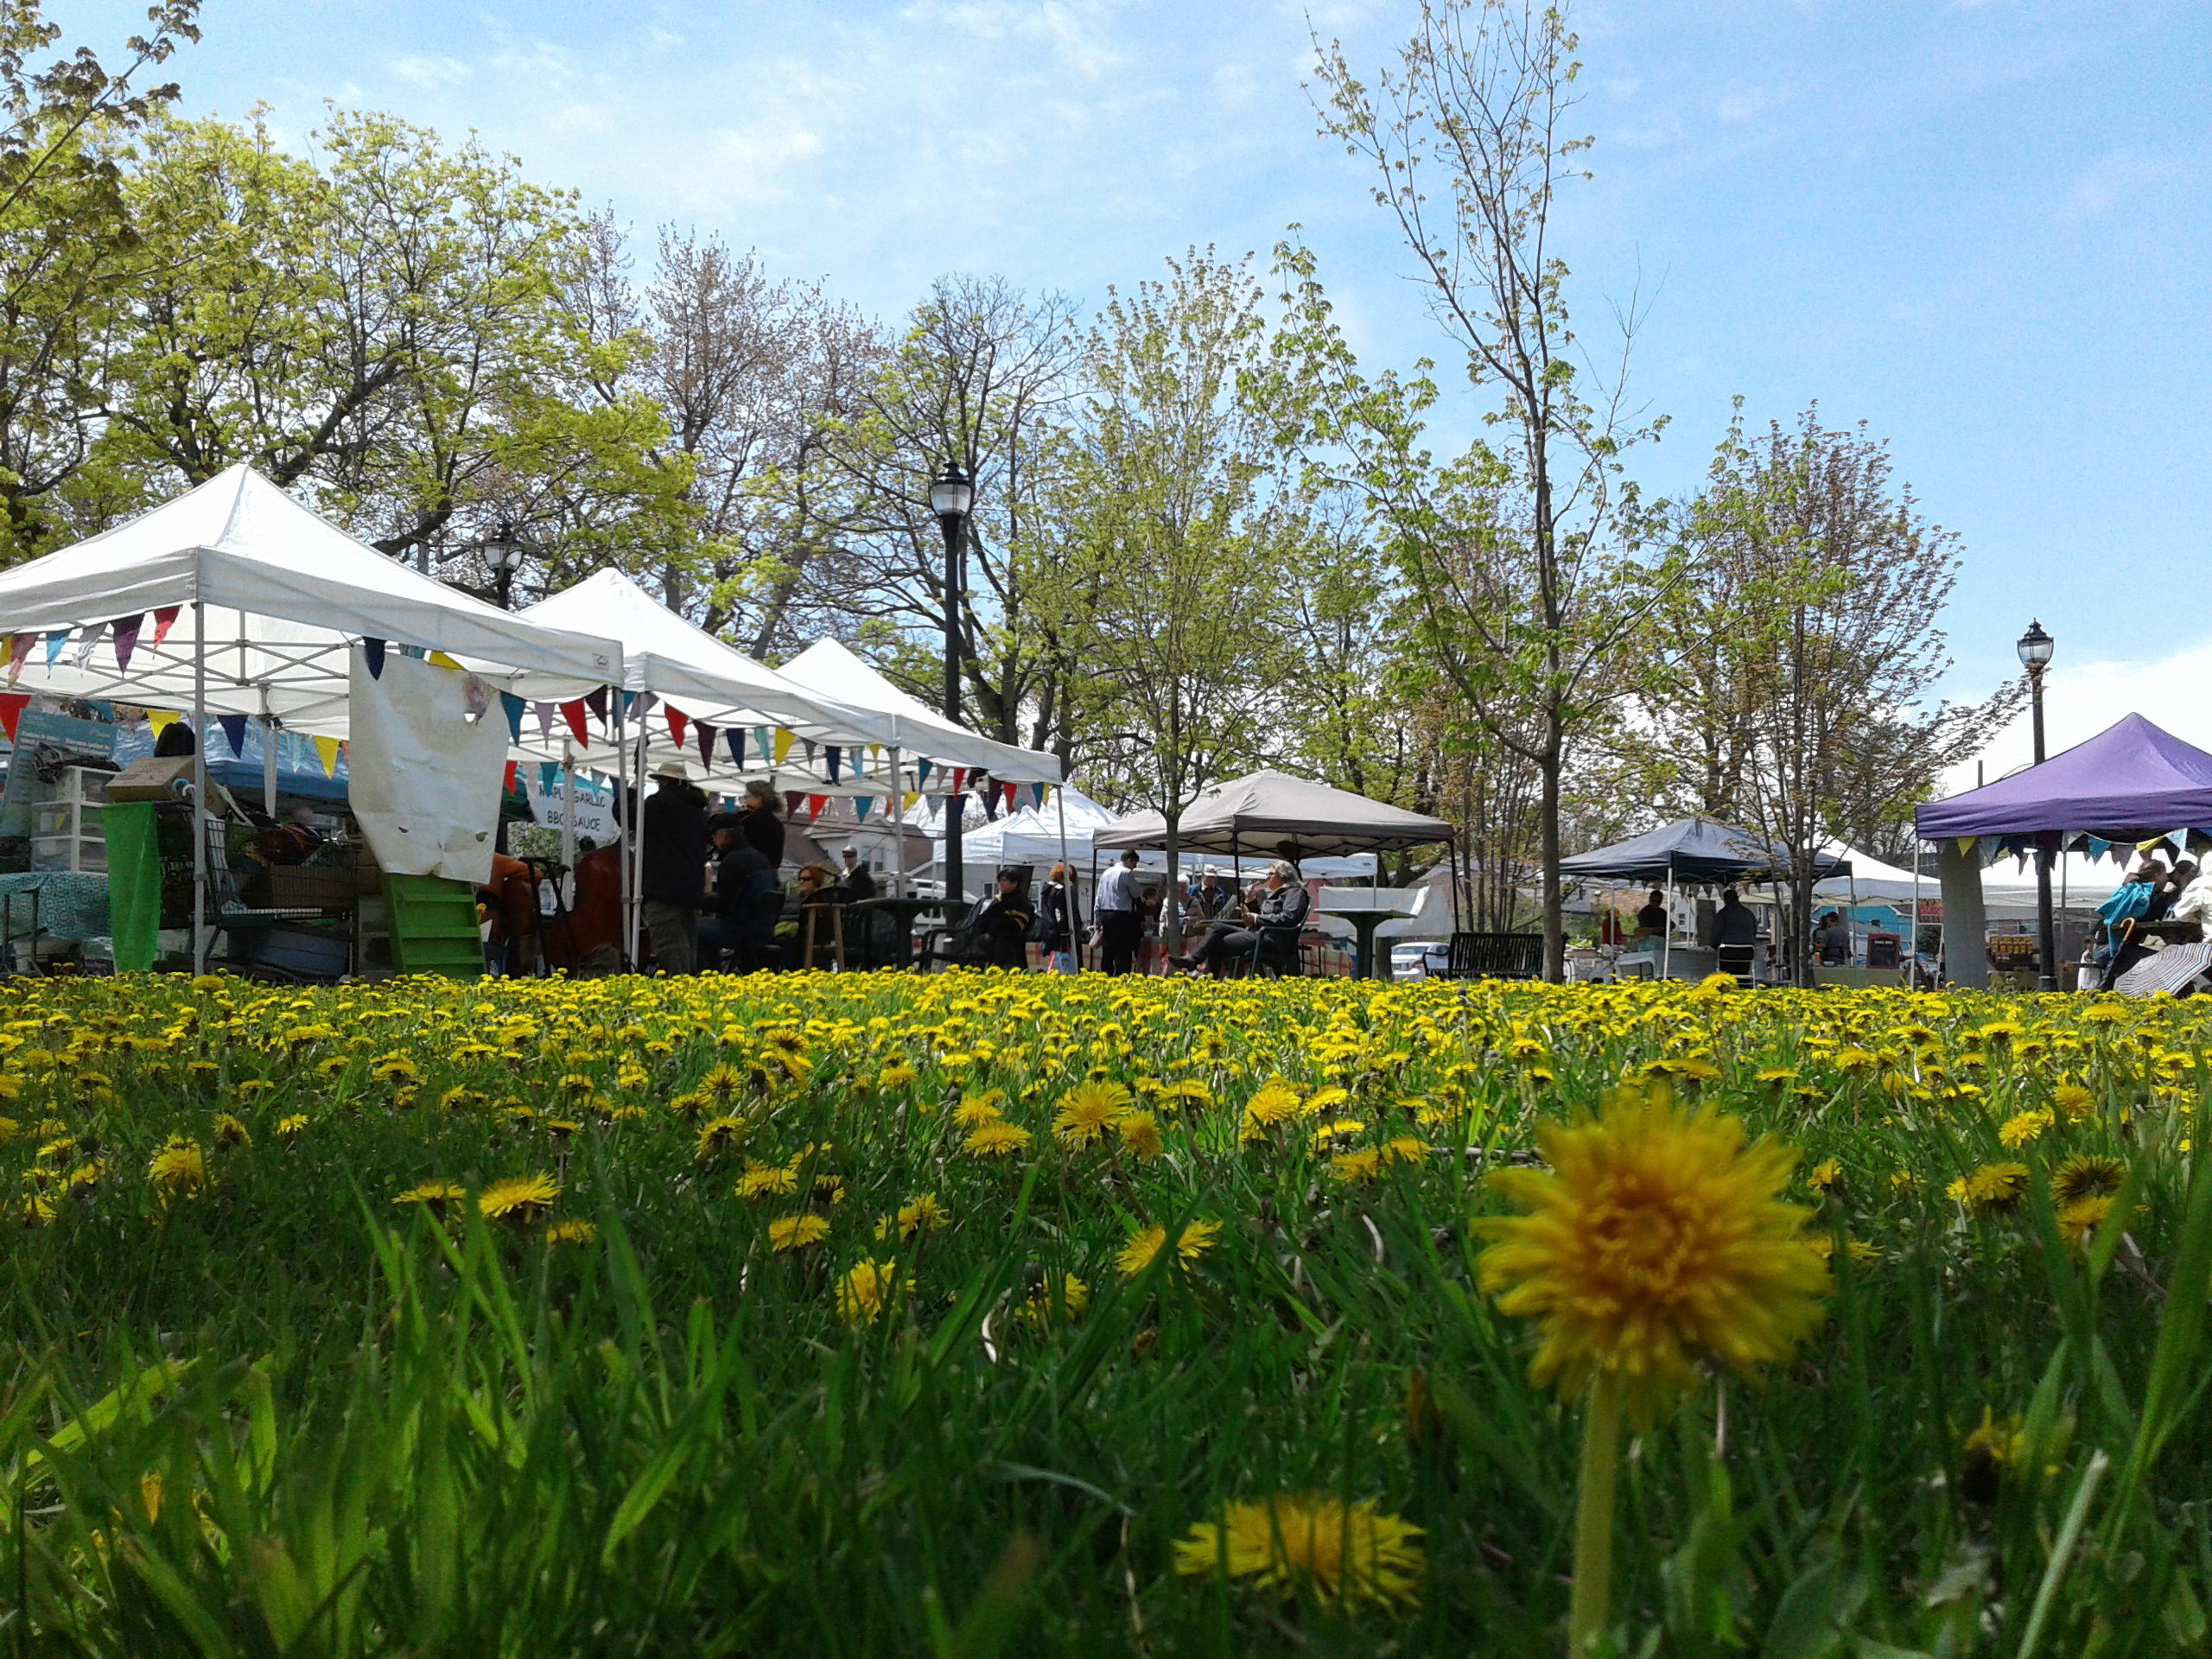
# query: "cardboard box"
149,779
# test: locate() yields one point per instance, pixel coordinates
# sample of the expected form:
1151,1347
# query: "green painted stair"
432,924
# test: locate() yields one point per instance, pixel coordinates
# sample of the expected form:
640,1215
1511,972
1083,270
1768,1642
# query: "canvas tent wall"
235,599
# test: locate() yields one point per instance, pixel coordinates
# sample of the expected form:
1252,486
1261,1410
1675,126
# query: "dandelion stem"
1593,1516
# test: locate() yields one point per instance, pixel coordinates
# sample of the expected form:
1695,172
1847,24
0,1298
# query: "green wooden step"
432,924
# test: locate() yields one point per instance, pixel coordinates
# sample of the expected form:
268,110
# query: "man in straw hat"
673,878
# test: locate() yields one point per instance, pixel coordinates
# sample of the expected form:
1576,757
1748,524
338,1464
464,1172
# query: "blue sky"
1980,227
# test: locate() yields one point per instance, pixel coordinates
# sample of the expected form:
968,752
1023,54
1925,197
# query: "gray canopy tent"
1291,817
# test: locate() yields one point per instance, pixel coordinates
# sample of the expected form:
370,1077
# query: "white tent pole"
635,851
896,821
1666,933
268,754
1912,924
199,786
624,830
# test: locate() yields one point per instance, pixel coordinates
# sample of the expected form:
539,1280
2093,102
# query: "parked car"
1419,958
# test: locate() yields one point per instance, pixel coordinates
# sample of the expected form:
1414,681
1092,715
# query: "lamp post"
951,495
503,551
2036,647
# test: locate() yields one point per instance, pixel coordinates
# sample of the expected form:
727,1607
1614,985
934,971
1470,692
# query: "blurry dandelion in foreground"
2086,1175
867,1290
1193,1241
1657,1240
1312,1541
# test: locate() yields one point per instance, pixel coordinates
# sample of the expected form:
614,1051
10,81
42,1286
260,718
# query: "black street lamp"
2036,647
504,551
951,495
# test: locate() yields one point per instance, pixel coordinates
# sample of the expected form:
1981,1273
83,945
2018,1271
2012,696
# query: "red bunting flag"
959,778
11,710
510,777
164,620
1007,790
678,720
815,804
574,714
792,801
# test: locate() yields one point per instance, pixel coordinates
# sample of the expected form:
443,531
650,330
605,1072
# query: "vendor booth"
240,611
1273,815
2131,786
1688,854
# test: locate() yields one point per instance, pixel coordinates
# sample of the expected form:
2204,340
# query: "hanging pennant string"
783,741
326,750
706,744
372,656
678,720
233,729
12,705
164,620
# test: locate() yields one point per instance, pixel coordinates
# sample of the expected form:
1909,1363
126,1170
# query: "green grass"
375,1433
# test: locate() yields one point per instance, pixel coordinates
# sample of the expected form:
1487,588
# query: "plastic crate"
431,924
309,953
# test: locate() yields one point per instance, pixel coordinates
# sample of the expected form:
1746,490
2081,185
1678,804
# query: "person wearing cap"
856,880
1209,901
672,881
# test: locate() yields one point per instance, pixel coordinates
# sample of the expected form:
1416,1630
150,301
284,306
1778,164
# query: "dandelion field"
980,1313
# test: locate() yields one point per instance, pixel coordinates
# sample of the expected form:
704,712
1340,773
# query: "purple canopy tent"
2129,782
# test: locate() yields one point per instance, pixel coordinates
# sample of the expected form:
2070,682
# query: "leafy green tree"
1520,561
1183,540
69,252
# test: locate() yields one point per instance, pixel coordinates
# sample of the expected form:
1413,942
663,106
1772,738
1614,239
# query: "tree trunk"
1171,913
1555,910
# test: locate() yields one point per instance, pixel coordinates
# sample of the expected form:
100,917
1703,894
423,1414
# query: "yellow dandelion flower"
767,1180
867,1290
1140,1132
1992,1189
2087,1175
290,1127
1058,1300
2021,1127
434,1195
2074,1101
1145,1243
1826,1177
924,1214
1088,1109
976,1111
179,1169
518,1201
571,1231
1363,1165
796,1232
1311,1543
1654,1240
894,1076
996,1140
719,1135
2083,1217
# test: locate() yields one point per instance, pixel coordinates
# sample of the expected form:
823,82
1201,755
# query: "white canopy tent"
830,671
258,606
1872,881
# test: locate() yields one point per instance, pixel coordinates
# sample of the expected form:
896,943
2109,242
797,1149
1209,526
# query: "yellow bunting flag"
160,719
326,750
439,659
1967,843
783,741
906,802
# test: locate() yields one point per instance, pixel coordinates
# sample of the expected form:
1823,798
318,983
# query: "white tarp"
829,669
428,760
287,595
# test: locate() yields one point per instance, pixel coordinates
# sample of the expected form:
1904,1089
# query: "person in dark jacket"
1734,923
742,911
1001,929
674,879
856,881
1056,922
177,739
1283,903
762,822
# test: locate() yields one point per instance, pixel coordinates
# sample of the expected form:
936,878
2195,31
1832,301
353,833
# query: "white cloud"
1750,102
662,40
1075,30
2081,700
429,73
2115,180
755,159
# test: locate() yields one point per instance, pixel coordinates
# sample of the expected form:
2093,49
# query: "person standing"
1056,922
741,916
1002,931
761,821
1734,923
673,878
1119,907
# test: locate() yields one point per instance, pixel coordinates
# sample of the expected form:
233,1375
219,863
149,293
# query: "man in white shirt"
2195,904
1120,923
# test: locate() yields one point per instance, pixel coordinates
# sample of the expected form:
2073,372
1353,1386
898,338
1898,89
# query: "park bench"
1496,956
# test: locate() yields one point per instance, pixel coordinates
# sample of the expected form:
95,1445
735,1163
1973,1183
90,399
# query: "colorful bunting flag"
907,801
372,655
959,778
55,642
815,804
326,750
545,713
87,637
159,720
512,770
678,720
735,738
783,740
595,700
761,739
164,620
12,705
514,706
793,799
126,639
574,714
833,755
234,729
861,804
706,744
439,659
548,773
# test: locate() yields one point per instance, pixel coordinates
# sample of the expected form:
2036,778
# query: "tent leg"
1667,935
569,810
897,819
1067,875
199,786
625,831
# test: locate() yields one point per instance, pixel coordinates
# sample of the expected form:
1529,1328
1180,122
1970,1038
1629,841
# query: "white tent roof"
827,669
288,594
687,668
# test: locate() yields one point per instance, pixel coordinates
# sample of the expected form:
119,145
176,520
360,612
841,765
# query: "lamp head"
503,549
2036,646
950,492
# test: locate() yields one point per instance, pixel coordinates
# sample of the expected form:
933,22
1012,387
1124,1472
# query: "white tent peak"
831,670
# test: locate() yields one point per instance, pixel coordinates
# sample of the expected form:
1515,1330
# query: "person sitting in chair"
1283,903
1000,930
742,910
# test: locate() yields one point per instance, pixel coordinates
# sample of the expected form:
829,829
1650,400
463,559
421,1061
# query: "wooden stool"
836,942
